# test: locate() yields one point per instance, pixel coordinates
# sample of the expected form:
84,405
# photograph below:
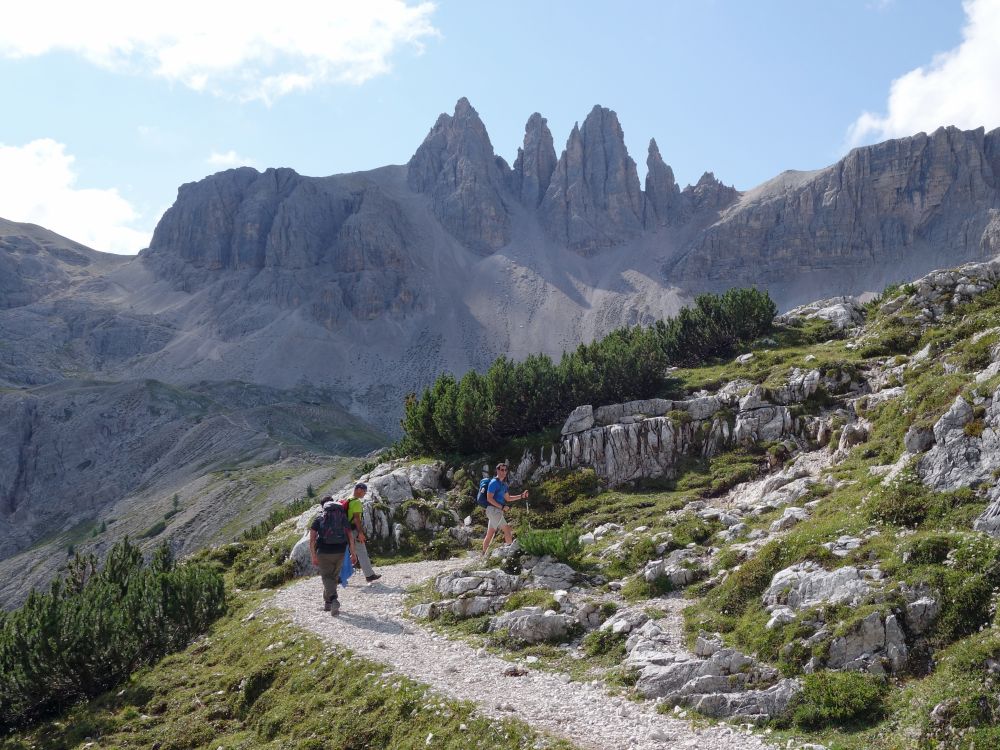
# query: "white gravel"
371,625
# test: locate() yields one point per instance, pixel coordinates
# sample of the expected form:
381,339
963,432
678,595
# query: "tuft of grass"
562,544
840,698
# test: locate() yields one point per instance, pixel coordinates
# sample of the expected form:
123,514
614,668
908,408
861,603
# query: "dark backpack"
481,495
333,523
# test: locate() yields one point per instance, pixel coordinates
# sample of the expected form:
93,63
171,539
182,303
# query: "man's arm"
361,531
491,501
354,555
312,546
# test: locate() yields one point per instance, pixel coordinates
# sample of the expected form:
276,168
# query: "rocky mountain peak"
535,162
663,196
457,168
594,199
709,194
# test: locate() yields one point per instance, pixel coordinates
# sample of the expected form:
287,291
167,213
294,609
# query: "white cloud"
228,160
39,187
249,49
958,87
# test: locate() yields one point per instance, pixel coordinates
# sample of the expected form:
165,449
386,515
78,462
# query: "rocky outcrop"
631,441
594,200
388,508
963,454
936,293
534,625
535,162
808,585
840,312
456,167
716,681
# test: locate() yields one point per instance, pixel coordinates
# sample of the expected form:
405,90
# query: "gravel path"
372,626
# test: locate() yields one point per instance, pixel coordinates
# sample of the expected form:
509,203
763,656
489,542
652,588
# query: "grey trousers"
329,570
361,550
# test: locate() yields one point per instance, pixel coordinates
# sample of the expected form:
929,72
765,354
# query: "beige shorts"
494,518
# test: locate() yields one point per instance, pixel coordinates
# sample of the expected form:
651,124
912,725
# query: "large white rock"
580,419
549,574
807,585
477,582
533,625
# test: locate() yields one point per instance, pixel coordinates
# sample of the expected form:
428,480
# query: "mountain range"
339,295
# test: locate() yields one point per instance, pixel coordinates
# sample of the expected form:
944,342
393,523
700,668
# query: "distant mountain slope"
35,262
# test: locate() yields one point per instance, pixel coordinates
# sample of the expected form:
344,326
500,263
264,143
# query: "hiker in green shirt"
355,509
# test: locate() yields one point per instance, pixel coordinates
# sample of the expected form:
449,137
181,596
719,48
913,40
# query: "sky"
110,105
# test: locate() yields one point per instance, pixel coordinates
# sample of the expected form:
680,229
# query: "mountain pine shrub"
96,626
480,412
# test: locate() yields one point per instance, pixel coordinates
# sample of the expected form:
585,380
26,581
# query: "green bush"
637,587
931,549
562,544
839,699
480,412
96,626
903,502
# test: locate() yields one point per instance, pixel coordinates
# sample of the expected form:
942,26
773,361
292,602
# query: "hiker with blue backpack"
493,496
329,540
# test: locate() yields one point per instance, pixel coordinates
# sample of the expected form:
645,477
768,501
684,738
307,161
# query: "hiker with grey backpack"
329,541
493,496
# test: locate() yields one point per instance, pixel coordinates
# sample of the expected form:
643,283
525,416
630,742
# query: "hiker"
496,499
355,510
329,538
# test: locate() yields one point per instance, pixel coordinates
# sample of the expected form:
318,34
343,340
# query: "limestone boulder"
807,585
534,625
579,420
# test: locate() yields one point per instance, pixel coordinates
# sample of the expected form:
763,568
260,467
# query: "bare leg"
508,535
490,533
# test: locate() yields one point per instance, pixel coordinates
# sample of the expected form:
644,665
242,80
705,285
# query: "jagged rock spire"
594,199
457,167
663,196
535,162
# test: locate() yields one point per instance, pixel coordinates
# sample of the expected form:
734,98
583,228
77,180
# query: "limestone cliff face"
594,200
340,249
923,199
466,181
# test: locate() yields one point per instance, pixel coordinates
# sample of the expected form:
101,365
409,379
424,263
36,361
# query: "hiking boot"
373,578
335,607
326,606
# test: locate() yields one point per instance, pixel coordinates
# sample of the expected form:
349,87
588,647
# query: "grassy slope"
257,682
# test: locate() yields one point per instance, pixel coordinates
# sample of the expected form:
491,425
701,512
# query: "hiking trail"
372,625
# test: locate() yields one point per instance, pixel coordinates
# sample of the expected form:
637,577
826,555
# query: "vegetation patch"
260,683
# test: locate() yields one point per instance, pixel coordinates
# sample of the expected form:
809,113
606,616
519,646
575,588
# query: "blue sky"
97,135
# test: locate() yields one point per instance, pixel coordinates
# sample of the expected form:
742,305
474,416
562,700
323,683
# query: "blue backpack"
481,495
